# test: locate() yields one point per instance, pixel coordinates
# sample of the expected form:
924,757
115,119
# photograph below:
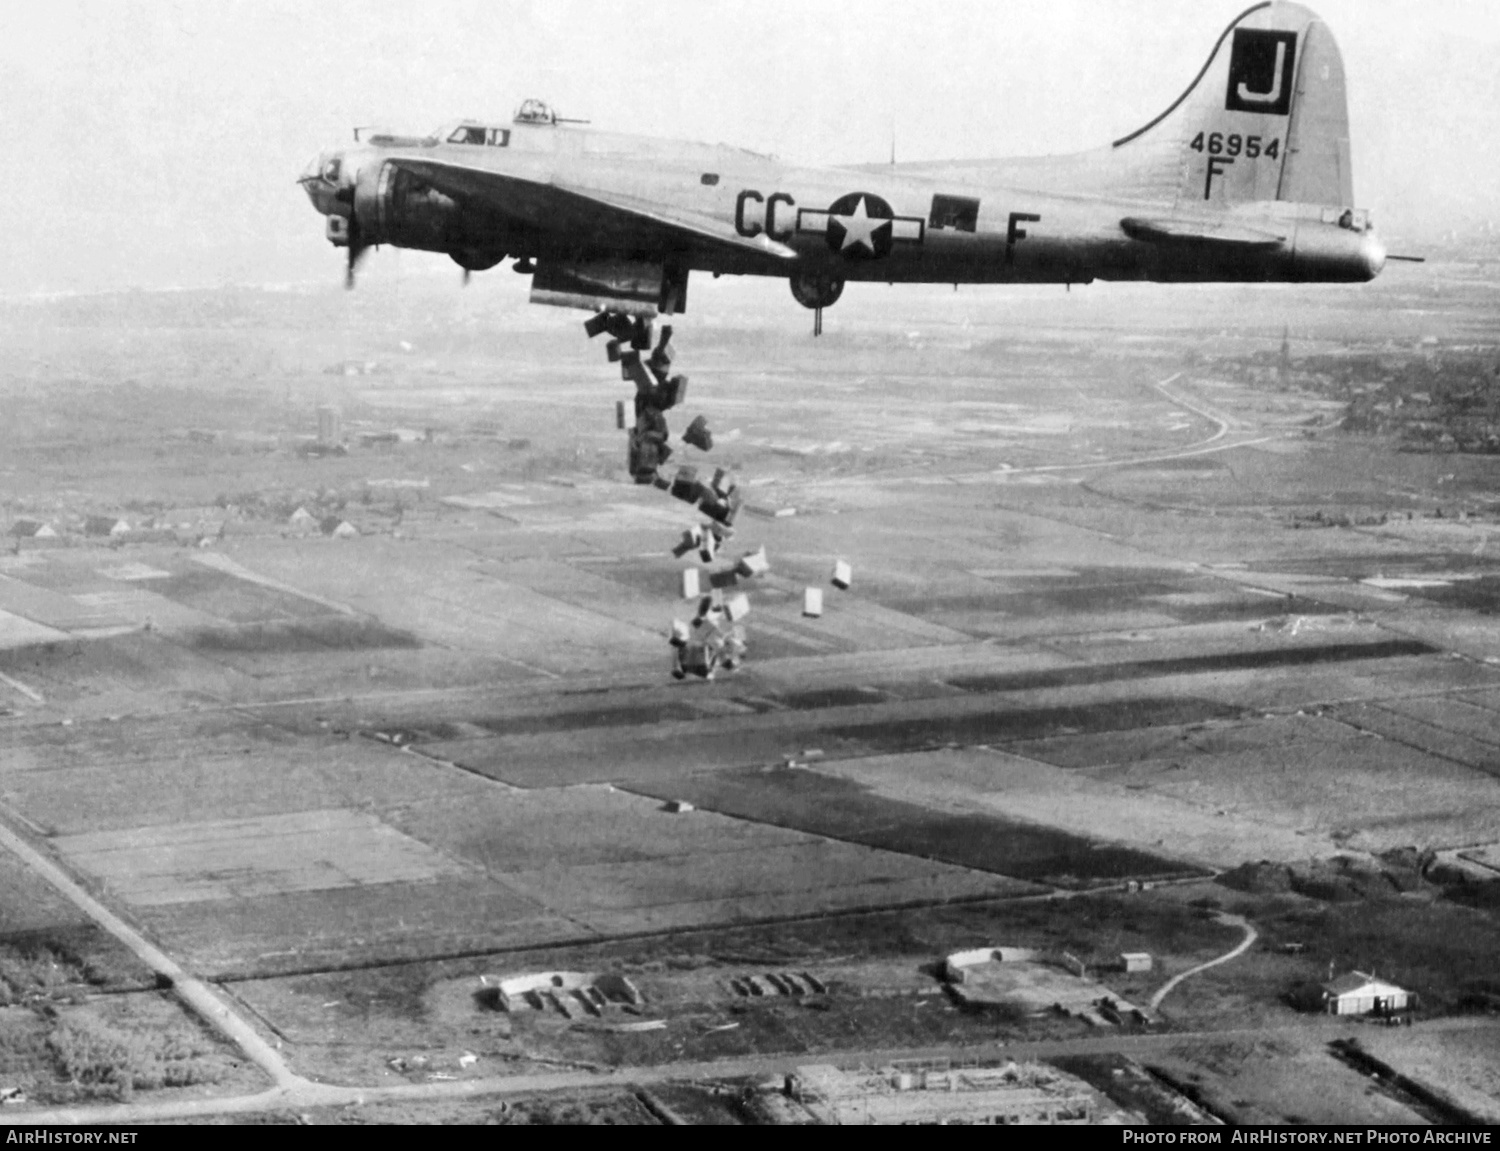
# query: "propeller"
357,249
467,274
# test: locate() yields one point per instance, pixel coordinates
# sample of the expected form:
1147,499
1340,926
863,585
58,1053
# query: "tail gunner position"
1246,177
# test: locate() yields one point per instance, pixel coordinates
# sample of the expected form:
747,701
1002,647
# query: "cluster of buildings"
178,525
940,1092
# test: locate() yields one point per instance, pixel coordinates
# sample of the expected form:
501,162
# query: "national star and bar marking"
860,228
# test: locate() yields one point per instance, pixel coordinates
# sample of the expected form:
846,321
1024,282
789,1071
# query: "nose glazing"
320,180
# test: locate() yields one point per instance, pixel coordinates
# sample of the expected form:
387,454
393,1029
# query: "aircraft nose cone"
316,183
309,178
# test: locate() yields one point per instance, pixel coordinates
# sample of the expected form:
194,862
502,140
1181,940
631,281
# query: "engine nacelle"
391,206
816,289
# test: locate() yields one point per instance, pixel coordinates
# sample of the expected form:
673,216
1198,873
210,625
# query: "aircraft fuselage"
856,223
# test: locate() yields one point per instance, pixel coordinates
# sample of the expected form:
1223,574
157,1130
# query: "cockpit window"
478,134
330,171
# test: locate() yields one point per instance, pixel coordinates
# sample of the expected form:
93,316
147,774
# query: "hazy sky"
152,143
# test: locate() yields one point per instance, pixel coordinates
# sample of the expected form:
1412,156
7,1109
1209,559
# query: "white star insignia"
860,228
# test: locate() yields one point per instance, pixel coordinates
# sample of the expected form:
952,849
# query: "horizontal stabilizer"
1170,231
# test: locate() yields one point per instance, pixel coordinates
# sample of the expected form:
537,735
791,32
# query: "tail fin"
1266,119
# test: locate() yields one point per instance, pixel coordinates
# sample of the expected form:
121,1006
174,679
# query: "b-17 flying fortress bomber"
1246,177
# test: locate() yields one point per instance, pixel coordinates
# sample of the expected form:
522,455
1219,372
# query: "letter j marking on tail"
1261,67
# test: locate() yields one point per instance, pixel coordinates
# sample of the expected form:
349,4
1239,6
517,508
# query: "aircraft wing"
1168,230
586,213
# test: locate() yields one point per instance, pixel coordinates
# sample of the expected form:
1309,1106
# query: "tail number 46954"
1218,144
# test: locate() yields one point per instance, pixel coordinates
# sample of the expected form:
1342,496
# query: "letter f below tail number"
1216,167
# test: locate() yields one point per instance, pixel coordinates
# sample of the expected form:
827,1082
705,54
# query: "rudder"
1317,169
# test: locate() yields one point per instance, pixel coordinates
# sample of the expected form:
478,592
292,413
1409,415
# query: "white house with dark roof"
1357,993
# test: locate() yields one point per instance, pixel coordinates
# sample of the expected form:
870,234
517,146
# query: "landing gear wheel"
816,289
475,260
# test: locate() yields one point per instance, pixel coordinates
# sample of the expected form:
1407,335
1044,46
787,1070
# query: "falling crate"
738,607
680,634
721,511
612,351
698,435
640,336
619,325
597,324
692,540
620,414
734,647
643,455
700,659
708,547
843,575
634,371
690,583
711,505
660,364
812,602
686,487
753,564
678,806
724,579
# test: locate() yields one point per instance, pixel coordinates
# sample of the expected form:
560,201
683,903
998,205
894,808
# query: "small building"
570,993
1034,980
28,529
1357,993
1131,961
337,528
961,966
105,526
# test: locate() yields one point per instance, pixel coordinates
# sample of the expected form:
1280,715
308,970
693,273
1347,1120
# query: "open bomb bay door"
629,287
